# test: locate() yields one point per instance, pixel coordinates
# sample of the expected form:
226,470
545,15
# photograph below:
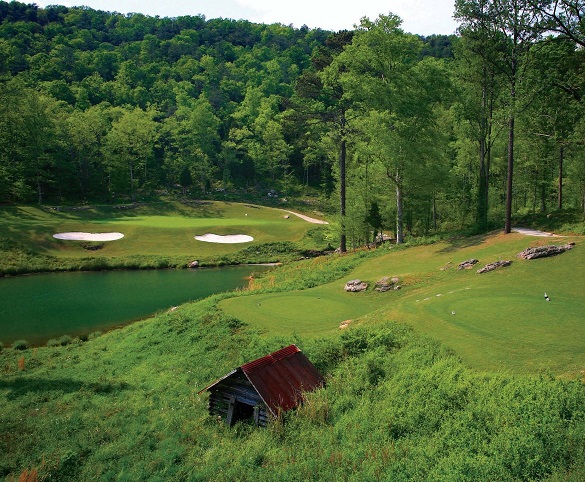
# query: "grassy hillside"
398,405
155,235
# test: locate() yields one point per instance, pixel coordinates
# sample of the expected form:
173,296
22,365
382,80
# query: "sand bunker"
79,236
228,239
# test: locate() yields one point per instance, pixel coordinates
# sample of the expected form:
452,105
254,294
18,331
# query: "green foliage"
396,406
21,345
116,107
65,340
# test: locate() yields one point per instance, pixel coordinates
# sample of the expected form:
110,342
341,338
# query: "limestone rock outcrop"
468,263
386,284
544,251
356,285
494,265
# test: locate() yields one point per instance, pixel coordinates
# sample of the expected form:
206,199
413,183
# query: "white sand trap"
79,236
227,239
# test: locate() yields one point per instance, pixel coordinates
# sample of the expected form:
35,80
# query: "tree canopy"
100,106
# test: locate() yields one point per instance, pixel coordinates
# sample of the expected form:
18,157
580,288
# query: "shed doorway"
238,411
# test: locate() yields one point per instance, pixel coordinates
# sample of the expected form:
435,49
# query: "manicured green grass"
160,230
501,320
316,312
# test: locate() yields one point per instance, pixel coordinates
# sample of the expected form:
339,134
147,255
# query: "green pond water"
44,306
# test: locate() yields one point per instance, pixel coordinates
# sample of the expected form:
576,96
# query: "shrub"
93,335
1,346
53,343
65,340
21,345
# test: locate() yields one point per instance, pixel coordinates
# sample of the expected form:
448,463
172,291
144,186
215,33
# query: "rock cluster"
544,251
344,324
356,285
493,266
386,284
468,263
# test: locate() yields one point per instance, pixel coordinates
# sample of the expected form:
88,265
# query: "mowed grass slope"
157,229
496,320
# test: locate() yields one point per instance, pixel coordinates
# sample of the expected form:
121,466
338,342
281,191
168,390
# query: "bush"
21,345
93,335
65,340
53,343
1,346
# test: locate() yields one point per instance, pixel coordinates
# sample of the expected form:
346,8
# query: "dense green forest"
387,129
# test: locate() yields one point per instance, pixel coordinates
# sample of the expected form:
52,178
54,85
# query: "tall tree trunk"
39,190
482,194
508,226
482,202
131,165
560,197
342,159
511,126
435,211
399,211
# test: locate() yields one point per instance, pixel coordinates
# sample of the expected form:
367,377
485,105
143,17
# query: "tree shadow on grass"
457,243
20,387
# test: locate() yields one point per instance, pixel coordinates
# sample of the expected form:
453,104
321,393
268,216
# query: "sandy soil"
80,236
228,239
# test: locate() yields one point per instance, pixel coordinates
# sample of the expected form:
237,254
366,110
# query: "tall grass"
396,406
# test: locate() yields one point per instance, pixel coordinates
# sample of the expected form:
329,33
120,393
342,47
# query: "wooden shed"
262,388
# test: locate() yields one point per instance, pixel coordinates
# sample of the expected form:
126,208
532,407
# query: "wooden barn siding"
237,386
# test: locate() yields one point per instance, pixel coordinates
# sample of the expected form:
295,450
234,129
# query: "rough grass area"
159,235
397,406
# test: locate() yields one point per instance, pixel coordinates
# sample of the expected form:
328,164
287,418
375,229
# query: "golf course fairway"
495,320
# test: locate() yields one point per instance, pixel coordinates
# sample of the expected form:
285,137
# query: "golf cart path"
307,218
534,232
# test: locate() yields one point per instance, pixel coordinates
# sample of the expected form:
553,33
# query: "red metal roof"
281,377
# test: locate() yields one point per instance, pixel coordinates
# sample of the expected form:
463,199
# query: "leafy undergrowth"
397,406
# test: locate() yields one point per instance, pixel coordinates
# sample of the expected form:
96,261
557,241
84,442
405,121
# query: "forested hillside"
390,130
